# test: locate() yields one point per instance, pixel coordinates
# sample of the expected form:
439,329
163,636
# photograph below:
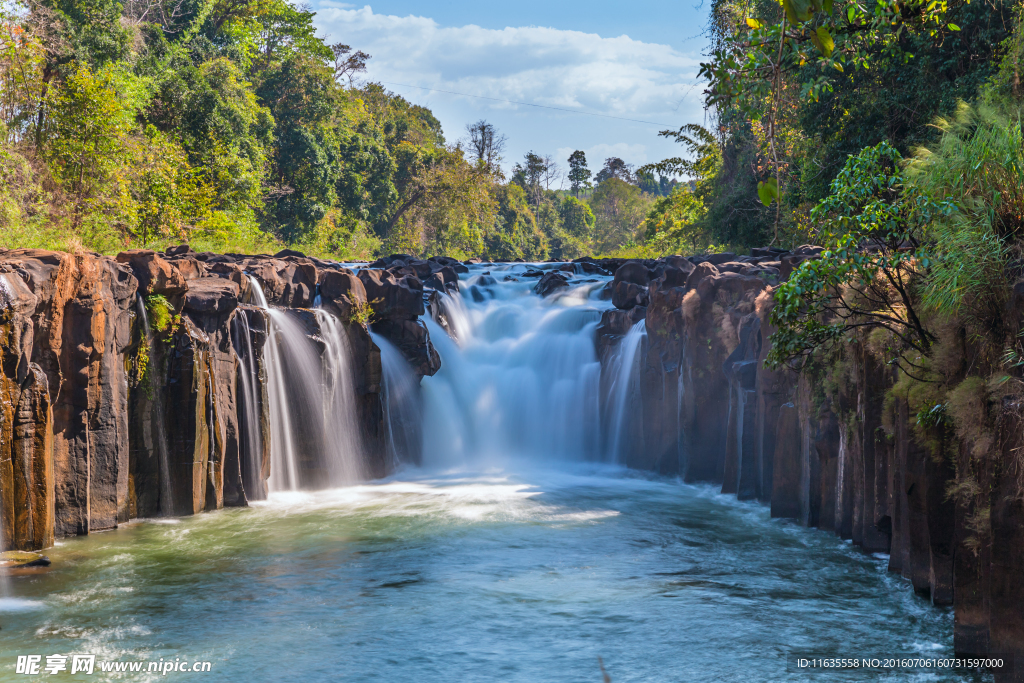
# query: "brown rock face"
103,419
81,325
844,458
154,274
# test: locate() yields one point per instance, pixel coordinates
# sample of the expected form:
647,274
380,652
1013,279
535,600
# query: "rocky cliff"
839,448
136,386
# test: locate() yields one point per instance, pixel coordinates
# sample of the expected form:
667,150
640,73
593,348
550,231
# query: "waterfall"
140,308
252,477
341,426
622,388
284,469
314,438
522,380
402,412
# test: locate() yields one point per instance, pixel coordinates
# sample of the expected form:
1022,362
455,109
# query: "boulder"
626,295
393,298
155,274
344,289
212,295
633,271
551,283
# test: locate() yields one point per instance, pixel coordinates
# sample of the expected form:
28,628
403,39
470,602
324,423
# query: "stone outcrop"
845,459
135,386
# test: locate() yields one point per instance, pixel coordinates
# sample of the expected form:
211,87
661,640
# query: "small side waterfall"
314,439
622,389
140,308
341,428
403,414
252,477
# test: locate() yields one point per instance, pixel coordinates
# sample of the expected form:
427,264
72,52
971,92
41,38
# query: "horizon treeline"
230,125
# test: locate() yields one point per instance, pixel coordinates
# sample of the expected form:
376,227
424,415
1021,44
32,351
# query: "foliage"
515,233
872,228
361,312
160,313
88,142
978,165
579,174
673,224
619,210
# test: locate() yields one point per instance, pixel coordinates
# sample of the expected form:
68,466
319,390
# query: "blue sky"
634,60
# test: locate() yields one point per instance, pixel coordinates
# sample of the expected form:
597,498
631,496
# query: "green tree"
576,228
216,116
88,145
515,233
673,223
579,174
619,209
872,227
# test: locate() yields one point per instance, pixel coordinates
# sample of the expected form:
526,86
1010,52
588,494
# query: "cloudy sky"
636,60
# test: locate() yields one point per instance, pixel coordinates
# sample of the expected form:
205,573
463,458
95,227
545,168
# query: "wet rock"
413,340
393,298
551,283
15,559
344,289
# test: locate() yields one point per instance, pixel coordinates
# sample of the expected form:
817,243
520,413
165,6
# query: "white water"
338,403
311,402
623,391
403,413
523,379
254,489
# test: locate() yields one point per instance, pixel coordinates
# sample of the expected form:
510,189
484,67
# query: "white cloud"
571,69
613,76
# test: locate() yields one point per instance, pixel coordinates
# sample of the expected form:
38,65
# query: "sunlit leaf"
824,42
768,190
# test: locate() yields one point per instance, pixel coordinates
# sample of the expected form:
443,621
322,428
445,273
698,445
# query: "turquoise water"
474,577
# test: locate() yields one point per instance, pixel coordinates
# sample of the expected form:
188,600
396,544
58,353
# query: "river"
519,551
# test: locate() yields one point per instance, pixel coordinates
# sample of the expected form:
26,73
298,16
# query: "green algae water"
473,576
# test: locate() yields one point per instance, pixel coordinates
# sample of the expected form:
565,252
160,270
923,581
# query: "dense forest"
230,125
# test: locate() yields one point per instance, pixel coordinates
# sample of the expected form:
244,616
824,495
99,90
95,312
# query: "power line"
529,104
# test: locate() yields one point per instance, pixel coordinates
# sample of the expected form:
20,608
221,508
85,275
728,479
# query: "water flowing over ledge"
281,376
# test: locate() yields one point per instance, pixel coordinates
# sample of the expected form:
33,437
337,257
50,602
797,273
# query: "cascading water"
622,389
338,405
313,435
522,380
403,414
252,476
530,574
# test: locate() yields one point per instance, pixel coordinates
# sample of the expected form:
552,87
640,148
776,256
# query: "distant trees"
619,209
579,174
485,143
614,167
231,125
